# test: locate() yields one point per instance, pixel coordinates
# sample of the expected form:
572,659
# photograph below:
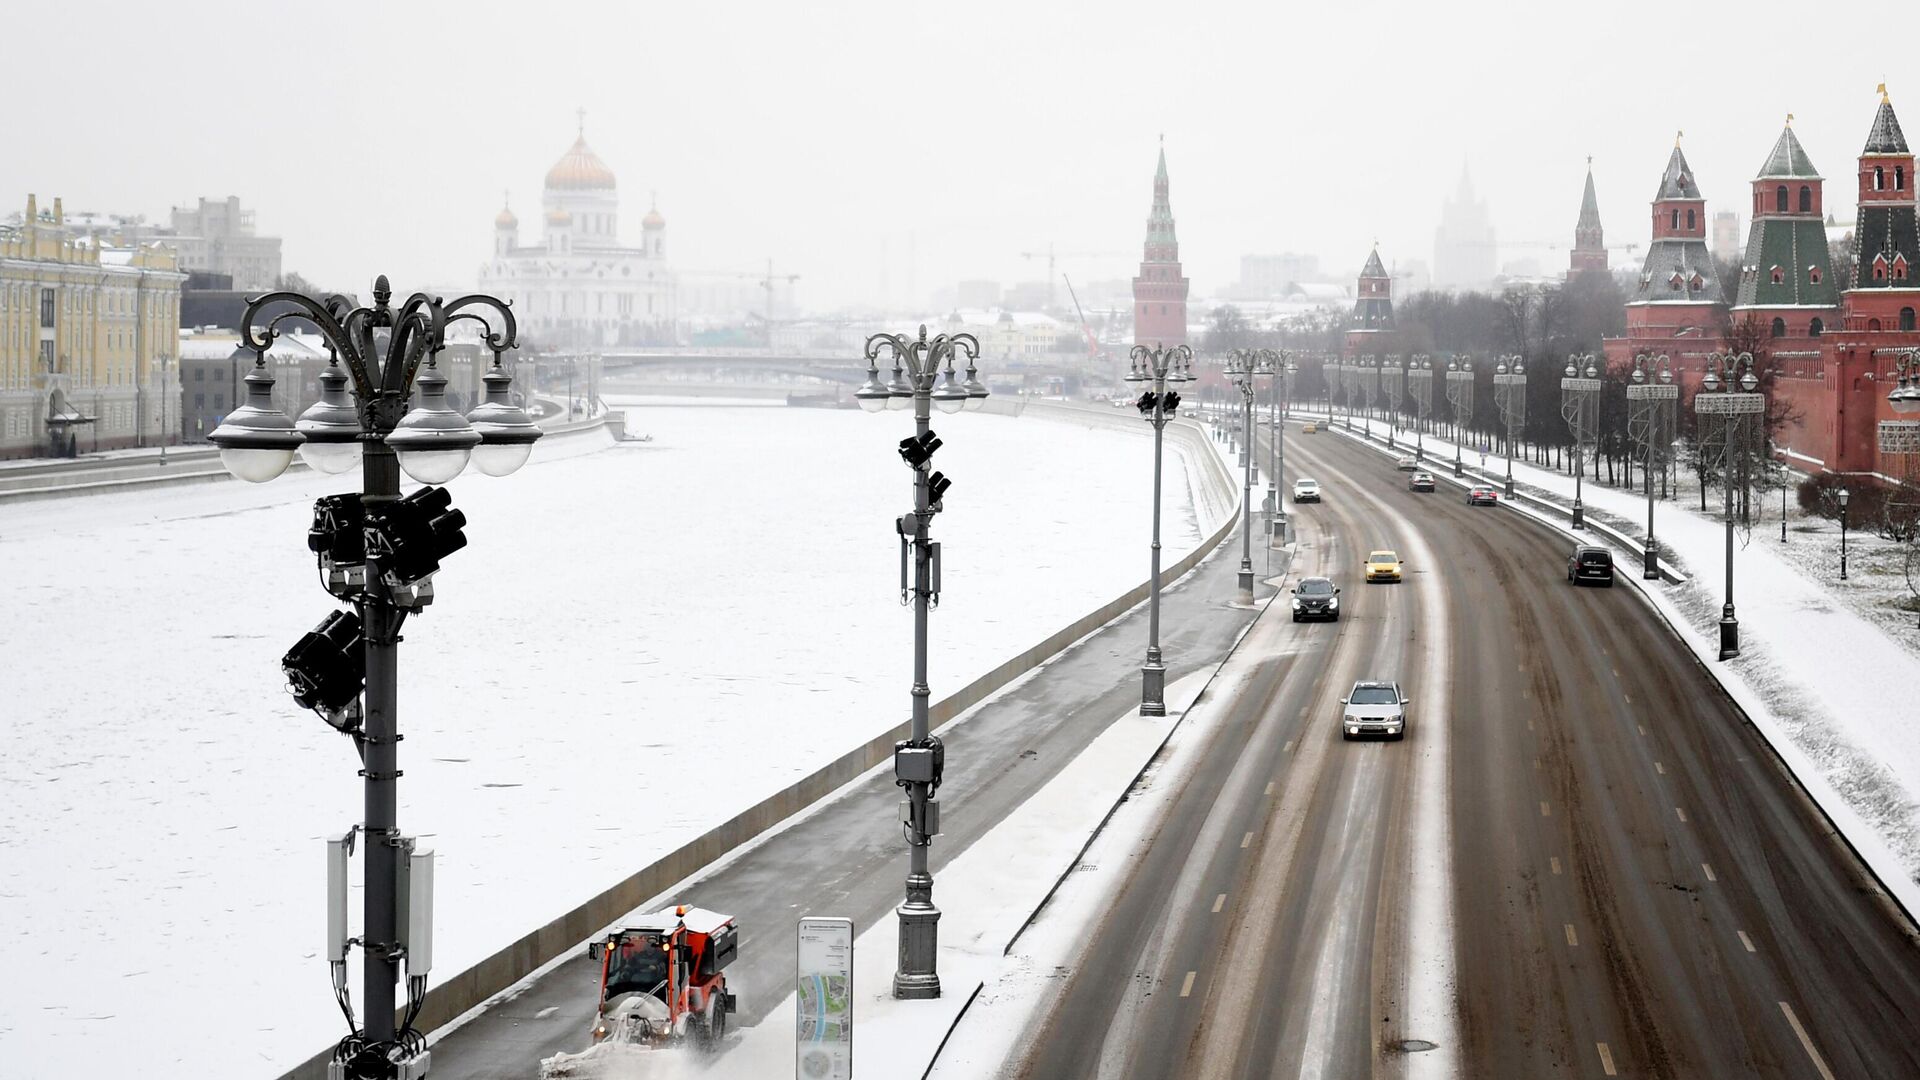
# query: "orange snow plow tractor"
663,979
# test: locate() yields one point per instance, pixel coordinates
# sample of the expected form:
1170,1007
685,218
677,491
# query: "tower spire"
1160,291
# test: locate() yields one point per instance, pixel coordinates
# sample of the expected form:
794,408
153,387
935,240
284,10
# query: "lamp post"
1284,369
379,553
1727,405
1460,396
1159,367
1651,401
1420,381
1846,496
1369,388
1244,366
1393,380
1510,396
1579,393
918,364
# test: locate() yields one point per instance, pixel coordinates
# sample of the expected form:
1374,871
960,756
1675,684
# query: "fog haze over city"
883,150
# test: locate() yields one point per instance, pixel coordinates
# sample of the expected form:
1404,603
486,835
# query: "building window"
1815,327
1813,274
1806,199
1676,219
1879,178
1780,199
1779,328
46,354
1906,318
1778,276
1690,219
1899,268
46,307
199,401
1899,178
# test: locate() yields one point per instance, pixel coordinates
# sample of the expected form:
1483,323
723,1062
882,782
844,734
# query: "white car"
1306,490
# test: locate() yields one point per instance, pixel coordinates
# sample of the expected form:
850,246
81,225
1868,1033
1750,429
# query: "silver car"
1374,708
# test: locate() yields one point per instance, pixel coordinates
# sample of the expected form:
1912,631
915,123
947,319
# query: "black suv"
1316,598
1590,563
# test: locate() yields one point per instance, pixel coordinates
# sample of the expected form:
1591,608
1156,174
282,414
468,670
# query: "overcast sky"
838,138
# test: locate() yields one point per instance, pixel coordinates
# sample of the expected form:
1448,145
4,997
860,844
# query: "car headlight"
1333,603
1353,721
1296,603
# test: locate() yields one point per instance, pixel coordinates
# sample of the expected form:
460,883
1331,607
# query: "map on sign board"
824,994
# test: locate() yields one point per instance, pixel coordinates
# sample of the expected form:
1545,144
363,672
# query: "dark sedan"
1420,481
1483,495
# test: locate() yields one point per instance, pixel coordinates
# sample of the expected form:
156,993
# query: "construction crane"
1053,257
766,281
1094,354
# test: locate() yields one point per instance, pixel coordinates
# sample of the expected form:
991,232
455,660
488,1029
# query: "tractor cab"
661,980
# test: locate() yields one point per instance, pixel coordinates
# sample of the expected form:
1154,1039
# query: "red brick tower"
1160,292
1676,307
1589,246
1371,330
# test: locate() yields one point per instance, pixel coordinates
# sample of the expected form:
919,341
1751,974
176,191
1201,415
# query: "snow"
640,640
1857,753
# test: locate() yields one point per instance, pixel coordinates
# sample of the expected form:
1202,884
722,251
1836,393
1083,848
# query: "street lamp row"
1160,367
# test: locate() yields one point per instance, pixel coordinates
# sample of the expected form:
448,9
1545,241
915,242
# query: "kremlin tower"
1160,292
1589,246
1372,328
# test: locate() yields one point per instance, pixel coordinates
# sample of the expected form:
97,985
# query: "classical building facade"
88,339
579,286
1160,292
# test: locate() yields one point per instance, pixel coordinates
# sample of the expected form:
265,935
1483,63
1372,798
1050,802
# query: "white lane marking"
1629,698
1659,768
1681,814
546,1012
1536,764
1818,1061
1186,985
1747,941
1572,938
1546,810
1219,902
1287,749
1642,727
1616,672
1555,863
1529,723
1247,839
1269,787
1303,711
1606,1059
1709,871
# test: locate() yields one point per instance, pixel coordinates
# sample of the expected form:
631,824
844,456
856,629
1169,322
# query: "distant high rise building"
1464,251
1589,245
1266,276
1160,292
1726,235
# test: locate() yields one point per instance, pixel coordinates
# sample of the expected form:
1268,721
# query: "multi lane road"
1581,861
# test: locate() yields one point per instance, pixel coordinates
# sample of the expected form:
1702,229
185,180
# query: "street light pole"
1651,400
1393,378
1510,395
919,761
1159,366
1243,367
1728,412
1845,497
1420,379
380,557
1460,396
1579,390
1285,368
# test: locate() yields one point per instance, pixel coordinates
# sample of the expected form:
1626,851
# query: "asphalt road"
1637,887
848,858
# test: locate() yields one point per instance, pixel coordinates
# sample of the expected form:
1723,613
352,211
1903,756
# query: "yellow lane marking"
1571,939
1554,862
1819,1062
1219,902
1186,985
1247,839
1659,768
1606,1059
1709,871
1682,814
1745,940
1546,810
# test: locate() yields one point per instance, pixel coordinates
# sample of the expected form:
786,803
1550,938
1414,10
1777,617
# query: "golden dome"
653,220
559,216
505,219
580,169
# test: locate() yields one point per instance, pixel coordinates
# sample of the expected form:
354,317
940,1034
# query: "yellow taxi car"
1383,565
1309,429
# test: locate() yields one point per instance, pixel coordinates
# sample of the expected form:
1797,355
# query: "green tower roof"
1789,160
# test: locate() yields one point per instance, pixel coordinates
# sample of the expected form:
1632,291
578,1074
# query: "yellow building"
88,333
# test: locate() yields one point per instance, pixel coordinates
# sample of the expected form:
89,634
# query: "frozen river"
640,640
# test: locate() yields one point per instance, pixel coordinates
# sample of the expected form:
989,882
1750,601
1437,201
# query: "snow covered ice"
640,640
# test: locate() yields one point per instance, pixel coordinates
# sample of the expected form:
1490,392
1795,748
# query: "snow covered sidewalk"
1816,677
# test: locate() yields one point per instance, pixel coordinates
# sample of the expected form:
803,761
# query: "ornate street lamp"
1420,381
1460,396
1579,398
1651,402
923,378
1393,380
1159,367
1846,496
1905,395
1244,366
379,552
1284,369
1727,407
1510,396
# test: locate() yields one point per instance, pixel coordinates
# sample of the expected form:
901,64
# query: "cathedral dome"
653,220
505,219
559,216
580,169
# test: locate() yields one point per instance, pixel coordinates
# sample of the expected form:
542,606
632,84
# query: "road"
848,858
1615,877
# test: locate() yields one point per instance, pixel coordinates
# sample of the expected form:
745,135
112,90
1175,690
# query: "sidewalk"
1813,674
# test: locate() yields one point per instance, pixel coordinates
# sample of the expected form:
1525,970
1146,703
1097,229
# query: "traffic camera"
327,667
412,535
917,450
